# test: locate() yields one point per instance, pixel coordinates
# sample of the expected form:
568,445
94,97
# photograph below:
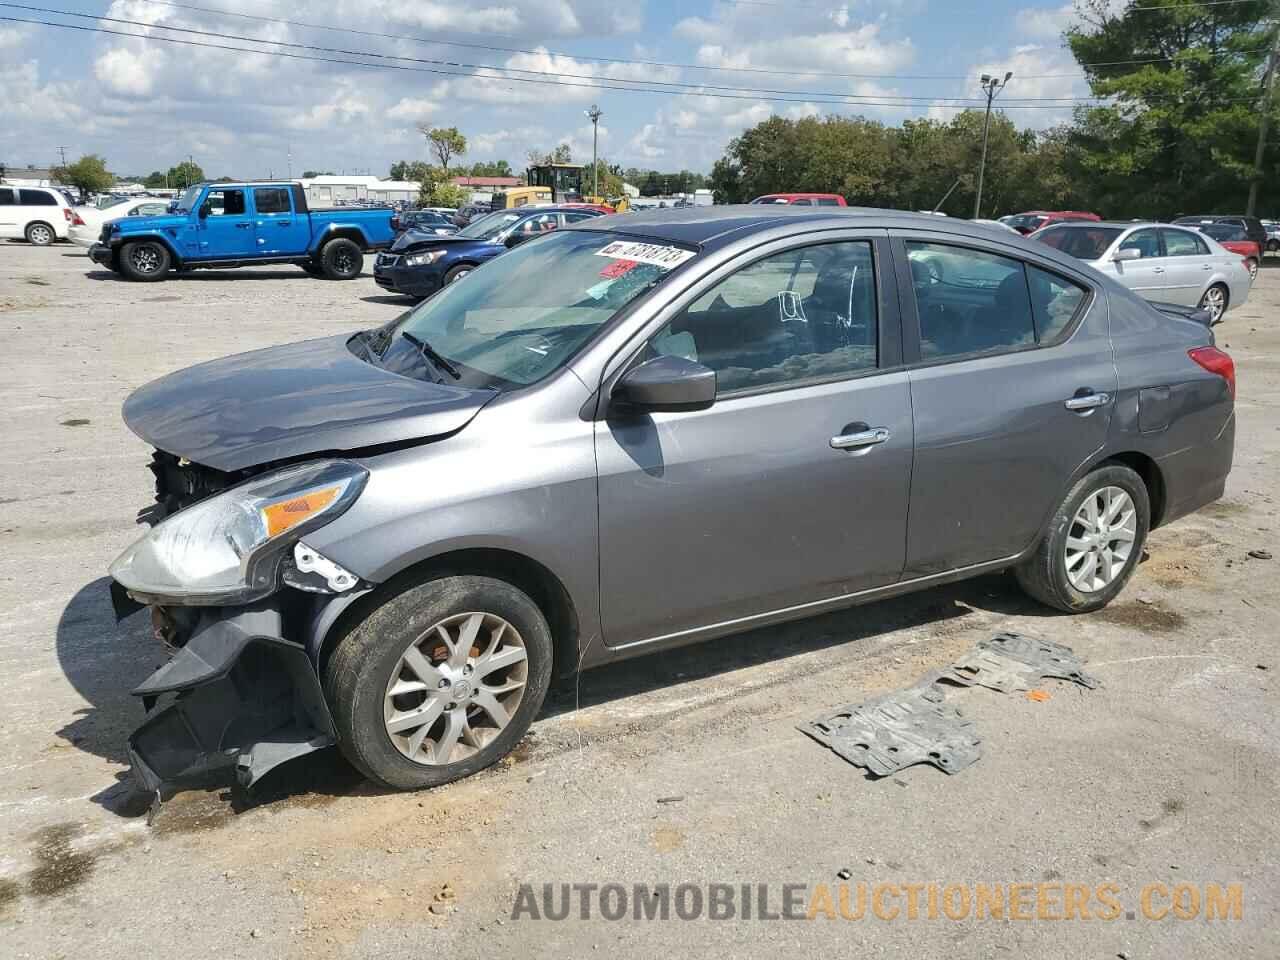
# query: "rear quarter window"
6,197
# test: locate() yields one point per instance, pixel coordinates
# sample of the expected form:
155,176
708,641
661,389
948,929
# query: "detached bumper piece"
235,702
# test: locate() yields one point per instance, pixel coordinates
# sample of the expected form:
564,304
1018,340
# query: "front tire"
145,261
341,259
1092,543
40,234
439,681
457,273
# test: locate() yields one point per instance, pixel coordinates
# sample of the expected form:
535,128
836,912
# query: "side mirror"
666,383
1127,253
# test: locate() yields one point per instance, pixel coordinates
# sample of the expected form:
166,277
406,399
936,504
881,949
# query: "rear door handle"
1157,269
863,438
1088,401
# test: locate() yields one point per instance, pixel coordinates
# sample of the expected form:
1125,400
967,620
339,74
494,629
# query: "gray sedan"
1162,263
631,434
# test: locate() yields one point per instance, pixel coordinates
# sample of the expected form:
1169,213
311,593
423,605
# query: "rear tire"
1251,265
1050,575
1216,300
40,234
400,645
341,259
145,261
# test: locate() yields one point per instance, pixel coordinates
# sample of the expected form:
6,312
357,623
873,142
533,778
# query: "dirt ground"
676,768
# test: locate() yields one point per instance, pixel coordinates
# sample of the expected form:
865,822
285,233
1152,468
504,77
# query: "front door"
226,231
279,230
1148,275
1012,387
791,489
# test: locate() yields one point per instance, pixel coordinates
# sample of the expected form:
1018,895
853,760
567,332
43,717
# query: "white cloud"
129,73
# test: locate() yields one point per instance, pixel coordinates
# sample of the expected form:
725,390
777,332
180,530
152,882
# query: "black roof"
716,225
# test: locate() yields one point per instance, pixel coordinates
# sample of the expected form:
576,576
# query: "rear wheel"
40,234
440,681
144,260
1273,246
1215,300
1252,266
1092,544
341,259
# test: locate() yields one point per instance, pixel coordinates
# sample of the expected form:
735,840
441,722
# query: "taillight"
1215,361
66,212
75,219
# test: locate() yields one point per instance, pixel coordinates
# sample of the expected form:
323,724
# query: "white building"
336,190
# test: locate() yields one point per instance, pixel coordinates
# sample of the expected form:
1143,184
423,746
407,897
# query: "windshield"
488,227
105,202
1027,221
186,202
520,317
1083,243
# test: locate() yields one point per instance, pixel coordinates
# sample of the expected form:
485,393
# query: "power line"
602,84
177,4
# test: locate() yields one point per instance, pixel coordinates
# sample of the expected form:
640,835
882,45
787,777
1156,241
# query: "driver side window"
804,314
1145,241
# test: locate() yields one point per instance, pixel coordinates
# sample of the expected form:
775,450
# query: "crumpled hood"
411,241
292,400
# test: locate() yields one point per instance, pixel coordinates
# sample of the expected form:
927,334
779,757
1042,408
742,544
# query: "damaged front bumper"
236,700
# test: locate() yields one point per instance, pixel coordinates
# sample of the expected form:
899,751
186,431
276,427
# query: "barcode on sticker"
652,253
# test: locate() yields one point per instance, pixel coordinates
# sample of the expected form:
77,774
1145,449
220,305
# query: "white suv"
39,215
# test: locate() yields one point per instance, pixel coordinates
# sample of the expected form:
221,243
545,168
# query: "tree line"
1185,82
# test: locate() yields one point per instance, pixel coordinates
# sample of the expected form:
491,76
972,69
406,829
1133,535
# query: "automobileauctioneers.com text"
887,902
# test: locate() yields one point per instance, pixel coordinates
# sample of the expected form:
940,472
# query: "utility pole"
289,157
1264,122
991,86
594,114
62,152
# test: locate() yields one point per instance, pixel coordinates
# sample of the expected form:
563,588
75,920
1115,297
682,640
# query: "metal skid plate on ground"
1012,661
895,731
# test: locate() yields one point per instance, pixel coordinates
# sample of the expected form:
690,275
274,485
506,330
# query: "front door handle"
1157,269
283,223
244,226
1088,401
863,438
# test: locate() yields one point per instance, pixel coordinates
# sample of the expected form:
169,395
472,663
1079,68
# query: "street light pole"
991,86
594,114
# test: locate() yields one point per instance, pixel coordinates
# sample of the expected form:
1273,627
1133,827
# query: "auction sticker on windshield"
652,253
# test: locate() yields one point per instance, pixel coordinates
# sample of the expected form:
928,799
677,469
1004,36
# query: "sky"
145,104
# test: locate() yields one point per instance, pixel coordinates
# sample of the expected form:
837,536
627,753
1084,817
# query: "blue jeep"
240,225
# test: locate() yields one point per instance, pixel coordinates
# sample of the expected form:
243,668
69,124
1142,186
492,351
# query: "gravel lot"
683,767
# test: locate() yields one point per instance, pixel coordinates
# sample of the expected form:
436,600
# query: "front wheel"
341,260
440,681
457,273
1092,543
1215,301
144,260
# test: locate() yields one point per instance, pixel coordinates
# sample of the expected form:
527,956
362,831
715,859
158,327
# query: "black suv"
1253,227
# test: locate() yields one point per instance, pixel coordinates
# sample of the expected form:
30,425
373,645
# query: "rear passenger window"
828,202
36,198
806,314
1179,243
969,301
1054,301
6,197
271,199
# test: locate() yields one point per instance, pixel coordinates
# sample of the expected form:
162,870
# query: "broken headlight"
227,548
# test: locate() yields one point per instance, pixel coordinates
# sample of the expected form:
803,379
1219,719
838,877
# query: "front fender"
119,240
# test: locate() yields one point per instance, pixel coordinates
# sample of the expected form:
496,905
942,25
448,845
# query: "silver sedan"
1158,262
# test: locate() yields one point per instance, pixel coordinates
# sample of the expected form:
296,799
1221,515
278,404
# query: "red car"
1236,239
1033,220
804,199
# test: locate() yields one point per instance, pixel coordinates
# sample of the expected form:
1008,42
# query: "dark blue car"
419,263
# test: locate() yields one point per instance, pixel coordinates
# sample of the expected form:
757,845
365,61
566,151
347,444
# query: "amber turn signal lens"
286,514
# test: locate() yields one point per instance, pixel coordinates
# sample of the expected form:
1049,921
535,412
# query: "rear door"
278,229
1187,266
791,489
226,230
1147,276
1012,388
42,205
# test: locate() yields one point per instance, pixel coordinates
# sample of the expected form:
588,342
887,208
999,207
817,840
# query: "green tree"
312,174
441,193
416,170
1179,133
155,180
88,174
185,174
445,142
491,168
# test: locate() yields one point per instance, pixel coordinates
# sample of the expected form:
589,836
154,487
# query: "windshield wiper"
435,359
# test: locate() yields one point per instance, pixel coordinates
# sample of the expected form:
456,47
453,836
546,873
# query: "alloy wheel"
1215,301
1100,541
456,688
344,262
145,258
40,235
1253,270
459,275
